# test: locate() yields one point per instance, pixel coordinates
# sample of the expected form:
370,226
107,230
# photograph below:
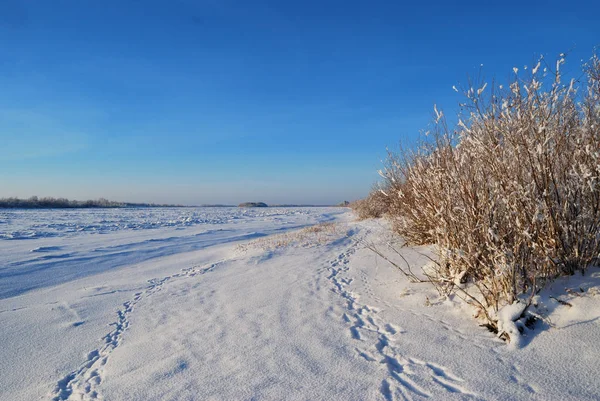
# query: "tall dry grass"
511,195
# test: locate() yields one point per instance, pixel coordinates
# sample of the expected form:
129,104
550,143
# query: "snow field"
303,315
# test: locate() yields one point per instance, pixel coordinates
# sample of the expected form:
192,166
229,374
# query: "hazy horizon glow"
223,102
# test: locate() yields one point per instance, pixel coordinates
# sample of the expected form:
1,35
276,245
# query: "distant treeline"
61,203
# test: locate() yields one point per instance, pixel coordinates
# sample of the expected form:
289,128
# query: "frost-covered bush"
511,196
373,206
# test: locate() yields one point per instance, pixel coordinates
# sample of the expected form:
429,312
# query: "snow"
251,305
47,247
507,317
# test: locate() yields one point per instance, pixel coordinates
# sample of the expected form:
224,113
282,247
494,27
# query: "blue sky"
228,101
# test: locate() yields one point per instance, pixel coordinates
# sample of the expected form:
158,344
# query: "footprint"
366,355
392,329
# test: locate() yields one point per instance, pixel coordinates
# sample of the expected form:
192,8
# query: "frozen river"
40,248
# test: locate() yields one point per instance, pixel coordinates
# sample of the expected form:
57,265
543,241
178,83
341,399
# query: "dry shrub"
511,196
373,206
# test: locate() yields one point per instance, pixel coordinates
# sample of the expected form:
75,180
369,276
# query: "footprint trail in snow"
406,378
83,383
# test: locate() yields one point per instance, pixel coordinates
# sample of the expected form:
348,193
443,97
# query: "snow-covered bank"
310,315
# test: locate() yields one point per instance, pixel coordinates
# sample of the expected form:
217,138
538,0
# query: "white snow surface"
245,304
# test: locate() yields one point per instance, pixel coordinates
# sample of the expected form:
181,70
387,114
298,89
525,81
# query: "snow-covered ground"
230,304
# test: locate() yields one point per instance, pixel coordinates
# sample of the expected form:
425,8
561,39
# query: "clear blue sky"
228,101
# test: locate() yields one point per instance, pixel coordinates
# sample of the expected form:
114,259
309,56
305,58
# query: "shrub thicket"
511,196
373,206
